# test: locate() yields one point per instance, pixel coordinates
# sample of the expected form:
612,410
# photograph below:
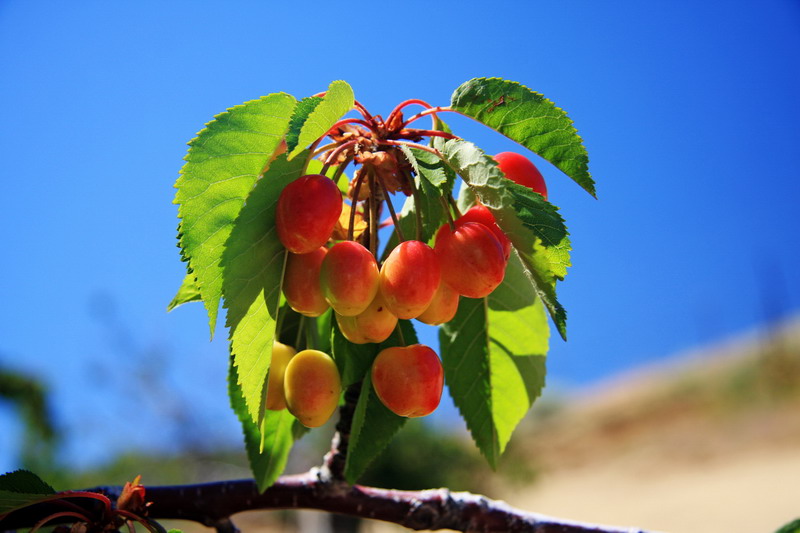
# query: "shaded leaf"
222,165
301,112
353,360
24,481
528,118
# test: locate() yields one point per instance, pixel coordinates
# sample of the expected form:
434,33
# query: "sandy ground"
752,492
710,443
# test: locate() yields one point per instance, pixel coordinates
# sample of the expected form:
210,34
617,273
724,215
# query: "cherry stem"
434,151
417,208
280,316
300,325
332,157
391,208
323,149
53,516
363,110
454,205
412,101
446,206
431,111
353,204
400,334
134,518
373,219
340,170
427,133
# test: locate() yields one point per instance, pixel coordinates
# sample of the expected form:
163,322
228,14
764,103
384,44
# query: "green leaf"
24,481
188,292
493,353
267,445
337,101
374,425
791,527
353,360
528,118
22,488
252,271
301,112
534,226
222,165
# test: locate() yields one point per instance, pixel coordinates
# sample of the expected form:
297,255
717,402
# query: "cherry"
520,169
301,282
375,324
349,278
312,386
408,379
281,355
443,306
471,258
409,278
481,214
308,209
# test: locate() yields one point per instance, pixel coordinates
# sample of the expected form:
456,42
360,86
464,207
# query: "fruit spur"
333,262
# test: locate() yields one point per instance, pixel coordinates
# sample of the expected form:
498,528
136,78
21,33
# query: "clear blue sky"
689,110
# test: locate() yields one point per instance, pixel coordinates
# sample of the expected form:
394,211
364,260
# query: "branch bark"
212,504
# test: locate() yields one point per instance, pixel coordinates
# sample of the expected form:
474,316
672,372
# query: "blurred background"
674,405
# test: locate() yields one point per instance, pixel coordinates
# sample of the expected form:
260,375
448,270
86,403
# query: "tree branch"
212,504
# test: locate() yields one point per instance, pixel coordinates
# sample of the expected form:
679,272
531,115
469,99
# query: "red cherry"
481,214
308,209
520,169
408,379
301,282
349,278
471,259
409,278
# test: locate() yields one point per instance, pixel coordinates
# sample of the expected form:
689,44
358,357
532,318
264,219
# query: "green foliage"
187,292
29,396
253,264
223,164
528,118
532,223
337,101
24,482
299,118
493,353
22,488
267,445
374,425
791,527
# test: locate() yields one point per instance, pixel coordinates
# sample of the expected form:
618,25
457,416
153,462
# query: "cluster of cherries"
416,281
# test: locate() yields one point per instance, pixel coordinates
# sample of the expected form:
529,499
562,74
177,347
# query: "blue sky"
689,112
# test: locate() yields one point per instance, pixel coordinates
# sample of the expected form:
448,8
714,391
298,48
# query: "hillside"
707,442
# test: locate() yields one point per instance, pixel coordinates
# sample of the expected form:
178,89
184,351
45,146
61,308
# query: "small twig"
391,208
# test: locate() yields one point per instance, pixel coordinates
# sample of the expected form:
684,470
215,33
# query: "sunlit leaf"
222,165
337,101
528,118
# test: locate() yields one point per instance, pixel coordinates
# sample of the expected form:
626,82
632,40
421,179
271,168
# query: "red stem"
413,145
427,133
411,101
431,111
331,158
